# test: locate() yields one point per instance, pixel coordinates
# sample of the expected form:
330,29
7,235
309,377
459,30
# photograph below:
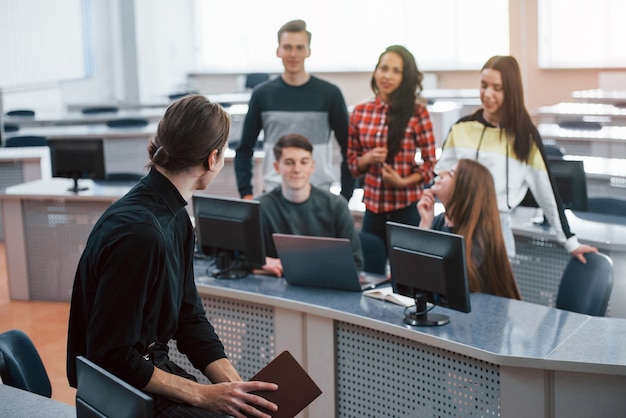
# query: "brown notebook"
295,391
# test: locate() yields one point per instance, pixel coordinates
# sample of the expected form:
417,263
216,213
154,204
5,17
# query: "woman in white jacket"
502,137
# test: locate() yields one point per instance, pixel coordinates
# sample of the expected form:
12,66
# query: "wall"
542,86
106,85
165,47
147,56
143,52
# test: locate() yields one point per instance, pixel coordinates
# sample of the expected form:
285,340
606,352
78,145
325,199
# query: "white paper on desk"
386,293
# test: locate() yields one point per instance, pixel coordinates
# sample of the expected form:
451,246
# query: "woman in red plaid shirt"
391,143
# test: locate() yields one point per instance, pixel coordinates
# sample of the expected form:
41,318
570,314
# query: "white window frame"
42,41
239,36
581,33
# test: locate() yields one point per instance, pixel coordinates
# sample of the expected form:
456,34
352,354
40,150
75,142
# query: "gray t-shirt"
323,214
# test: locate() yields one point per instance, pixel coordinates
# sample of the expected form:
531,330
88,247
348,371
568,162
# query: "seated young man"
297,207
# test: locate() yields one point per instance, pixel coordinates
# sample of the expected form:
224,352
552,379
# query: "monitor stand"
540,219
228,267
75,188
421,318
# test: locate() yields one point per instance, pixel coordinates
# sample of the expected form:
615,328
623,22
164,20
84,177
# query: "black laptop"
322,262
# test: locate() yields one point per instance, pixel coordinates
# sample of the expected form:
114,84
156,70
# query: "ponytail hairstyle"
515,121
402,102
190,130
473,210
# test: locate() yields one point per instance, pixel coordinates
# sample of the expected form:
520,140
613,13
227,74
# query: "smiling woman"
384,136
443,34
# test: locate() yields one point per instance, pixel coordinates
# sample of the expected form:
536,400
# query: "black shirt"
134,285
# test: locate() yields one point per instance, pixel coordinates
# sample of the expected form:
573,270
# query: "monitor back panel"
318,262
102,394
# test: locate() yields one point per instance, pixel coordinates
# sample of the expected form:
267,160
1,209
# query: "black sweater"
134,285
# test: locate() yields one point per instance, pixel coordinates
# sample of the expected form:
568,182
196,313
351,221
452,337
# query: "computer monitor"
571,184
229,231
428,266
102,394
77,159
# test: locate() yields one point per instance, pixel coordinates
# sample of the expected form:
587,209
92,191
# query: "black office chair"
127,123
123,177
607,206
374,253
586,288
234,144
180,95
21,113
254,79
27,141
11,127
102,394
579,124
554,151
21,366
91,110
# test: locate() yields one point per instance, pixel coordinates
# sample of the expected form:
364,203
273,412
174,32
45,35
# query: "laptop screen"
320,262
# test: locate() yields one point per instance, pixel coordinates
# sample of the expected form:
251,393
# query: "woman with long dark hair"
385,135
502,137
468,195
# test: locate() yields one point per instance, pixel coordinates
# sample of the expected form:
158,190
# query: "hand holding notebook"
295,391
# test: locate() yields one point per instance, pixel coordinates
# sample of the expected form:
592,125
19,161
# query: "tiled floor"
46,324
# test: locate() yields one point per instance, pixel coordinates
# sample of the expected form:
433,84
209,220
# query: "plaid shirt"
368,129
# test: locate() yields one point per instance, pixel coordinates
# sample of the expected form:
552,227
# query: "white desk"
79,118
505,358
450,94
75,125
29,163
615,97
225,99
608,142
230,98
16,403
46,228
605,114
125,149
606,177
467,99
19,165
540,259
443,114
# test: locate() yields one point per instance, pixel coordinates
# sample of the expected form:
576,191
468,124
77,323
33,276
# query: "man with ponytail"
134,288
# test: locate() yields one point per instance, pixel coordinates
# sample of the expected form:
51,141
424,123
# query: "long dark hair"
402,102
473,210
190,130
515,121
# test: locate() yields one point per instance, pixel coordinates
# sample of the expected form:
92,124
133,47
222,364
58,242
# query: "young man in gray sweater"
297,207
